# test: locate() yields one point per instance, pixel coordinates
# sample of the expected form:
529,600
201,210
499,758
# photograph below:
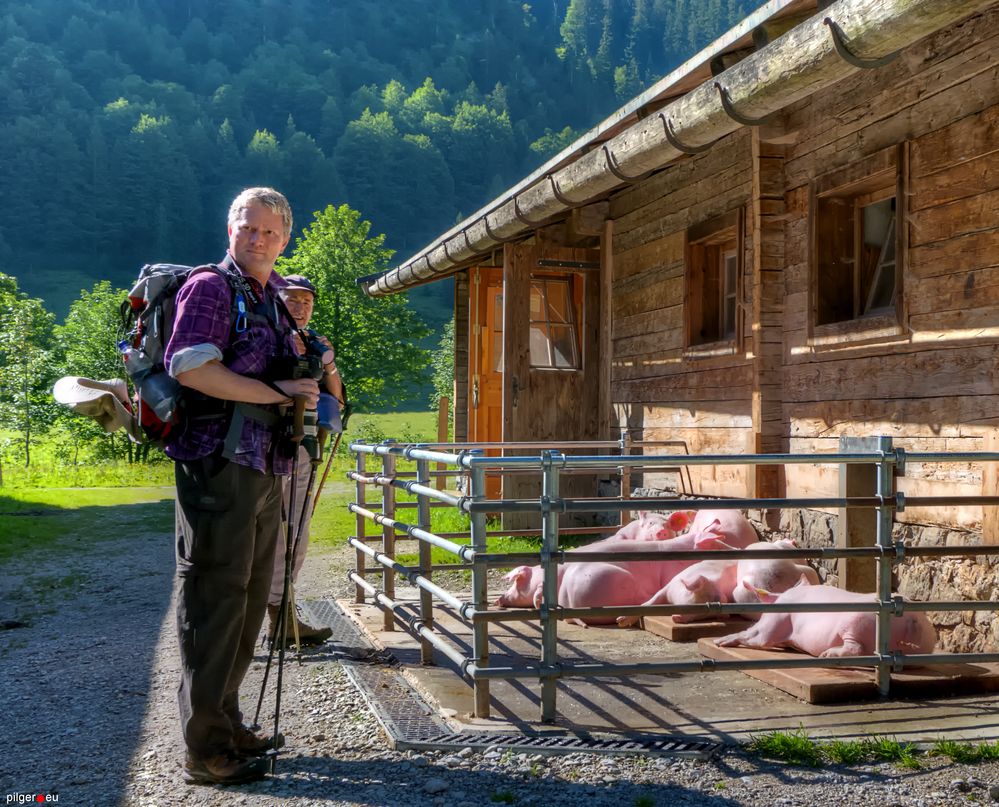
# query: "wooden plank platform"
666,627
847,684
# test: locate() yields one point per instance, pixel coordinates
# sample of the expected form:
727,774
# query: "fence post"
443,420
388,535
550,462
625,444
885,515
480,582
426,600
361,524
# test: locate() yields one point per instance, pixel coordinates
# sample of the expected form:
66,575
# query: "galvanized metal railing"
476,557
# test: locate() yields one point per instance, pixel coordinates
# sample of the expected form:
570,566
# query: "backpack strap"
243,313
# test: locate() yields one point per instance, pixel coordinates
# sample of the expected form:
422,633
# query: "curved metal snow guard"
470,464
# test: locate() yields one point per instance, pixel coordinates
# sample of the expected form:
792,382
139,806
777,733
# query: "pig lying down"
829,635
729,580
525,581
621,583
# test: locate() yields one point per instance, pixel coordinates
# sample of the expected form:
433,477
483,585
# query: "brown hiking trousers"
228,517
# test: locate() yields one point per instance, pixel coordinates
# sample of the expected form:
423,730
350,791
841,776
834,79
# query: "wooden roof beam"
803,61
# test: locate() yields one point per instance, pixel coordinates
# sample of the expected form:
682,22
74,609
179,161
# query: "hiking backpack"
147,315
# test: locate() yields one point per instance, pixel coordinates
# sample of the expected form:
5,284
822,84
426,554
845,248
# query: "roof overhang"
783,52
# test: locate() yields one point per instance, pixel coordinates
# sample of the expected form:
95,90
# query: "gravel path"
87,698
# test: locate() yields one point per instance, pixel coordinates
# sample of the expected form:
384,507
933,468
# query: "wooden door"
552,361
485,387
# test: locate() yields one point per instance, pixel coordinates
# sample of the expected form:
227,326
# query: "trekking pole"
326,470
298,432
297,435
281,622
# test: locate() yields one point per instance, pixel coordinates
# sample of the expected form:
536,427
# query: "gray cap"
299,282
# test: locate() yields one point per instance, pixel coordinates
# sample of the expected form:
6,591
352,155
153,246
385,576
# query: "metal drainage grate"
565,744
411,723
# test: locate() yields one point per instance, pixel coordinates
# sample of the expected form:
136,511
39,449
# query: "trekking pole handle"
298,424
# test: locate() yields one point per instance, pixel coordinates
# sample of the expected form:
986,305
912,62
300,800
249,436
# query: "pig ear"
518,574
802,581
677,521
712,541
696,584
760,593
643,516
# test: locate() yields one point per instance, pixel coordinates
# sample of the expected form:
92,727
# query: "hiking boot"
309,635
226,768
250,743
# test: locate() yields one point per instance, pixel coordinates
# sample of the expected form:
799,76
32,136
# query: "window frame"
874,178
573,283
714,240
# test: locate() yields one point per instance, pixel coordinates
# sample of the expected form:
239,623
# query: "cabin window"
714,271
554,335
856,271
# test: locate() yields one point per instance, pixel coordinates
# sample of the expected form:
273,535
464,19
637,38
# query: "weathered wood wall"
658,389
542,404
931,385
459,399
929,381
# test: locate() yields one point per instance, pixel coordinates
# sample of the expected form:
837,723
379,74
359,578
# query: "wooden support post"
763,321
858,526
990,487
606,345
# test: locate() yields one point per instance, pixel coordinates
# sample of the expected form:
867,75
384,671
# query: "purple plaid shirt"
204,318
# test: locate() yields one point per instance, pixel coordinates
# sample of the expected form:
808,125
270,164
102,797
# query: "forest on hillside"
127,125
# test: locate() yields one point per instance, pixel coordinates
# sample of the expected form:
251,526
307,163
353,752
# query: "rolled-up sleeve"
191,358
201,323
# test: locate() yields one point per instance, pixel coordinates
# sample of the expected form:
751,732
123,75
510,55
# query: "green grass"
53,519
889,749
798,748
965,753
795,747
845,752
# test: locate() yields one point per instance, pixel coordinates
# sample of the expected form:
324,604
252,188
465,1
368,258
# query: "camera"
309,365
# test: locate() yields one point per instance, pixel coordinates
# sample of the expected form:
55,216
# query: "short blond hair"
273,200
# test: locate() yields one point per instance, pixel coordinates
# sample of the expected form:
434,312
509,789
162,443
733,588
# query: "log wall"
928,381
927,377
659,390
931,384
461,339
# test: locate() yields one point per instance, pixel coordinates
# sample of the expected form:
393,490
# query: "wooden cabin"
791,239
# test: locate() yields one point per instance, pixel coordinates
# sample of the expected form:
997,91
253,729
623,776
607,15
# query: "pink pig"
729,580
651,527
628,582
832,635
733,526
602,584
707,581
774,575
525,581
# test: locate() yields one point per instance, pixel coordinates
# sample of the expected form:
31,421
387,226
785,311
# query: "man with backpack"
230,349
